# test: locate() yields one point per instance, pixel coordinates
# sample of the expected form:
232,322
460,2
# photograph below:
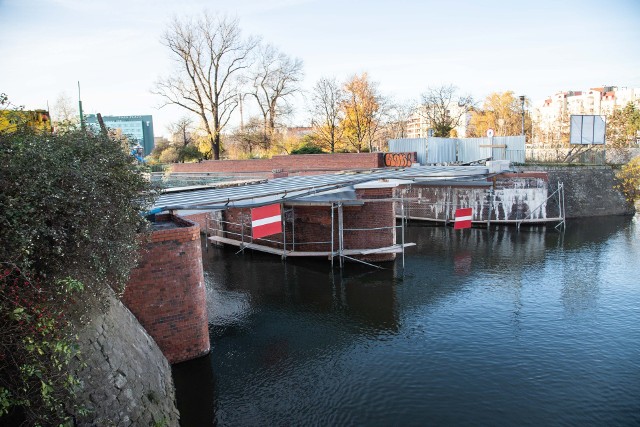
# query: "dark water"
481,328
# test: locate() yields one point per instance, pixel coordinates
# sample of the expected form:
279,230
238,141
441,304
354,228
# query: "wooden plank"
275,251
385,250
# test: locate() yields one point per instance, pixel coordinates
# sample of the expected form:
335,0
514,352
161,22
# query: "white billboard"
587,130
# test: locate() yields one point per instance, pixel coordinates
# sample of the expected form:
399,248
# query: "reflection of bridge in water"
363,301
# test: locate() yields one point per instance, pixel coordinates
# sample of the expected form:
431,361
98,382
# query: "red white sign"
265,221
463,218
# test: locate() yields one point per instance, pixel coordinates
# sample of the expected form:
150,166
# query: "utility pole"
80,108
240,97
522,101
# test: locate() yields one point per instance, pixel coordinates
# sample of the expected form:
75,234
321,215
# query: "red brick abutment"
166,291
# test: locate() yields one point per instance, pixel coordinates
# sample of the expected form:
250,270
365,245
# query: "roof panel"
295,187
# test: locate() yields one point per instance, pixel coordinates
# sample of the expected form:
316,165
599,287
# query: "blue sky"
112,47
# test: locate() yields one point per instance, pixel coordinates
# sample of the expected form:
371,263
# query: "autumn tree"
363,108
623,126
159,146
275,78
629,180
502,112
210,54
327,99
444,109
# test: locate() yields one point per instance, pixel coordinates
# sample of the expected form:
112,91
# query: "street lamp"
522,101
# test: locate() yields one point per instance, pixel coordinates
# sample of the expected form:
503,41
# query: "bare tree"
444,110
249,140
64,113
210,55
274,78
181,131
327,98
64,109
398,116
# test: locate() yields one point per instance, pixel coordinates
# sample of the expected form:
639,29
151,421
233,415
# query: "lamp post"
522,102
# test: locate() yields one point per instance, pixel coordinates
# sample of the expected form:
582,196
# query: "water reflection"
480,327
195,386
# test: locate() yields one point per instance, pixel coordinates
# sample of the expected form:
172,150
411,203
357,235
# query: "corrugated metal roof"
294,188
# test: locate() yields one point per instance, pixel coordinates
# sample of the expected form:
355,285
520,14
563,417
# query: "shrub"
629,180
70,219
35,384
308,149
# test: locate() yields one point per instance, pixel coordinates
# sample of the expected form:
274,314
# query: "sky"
112,47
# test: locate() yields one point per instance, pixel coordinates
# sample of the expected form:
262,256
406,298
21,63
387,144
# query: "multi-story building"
597,101
138,129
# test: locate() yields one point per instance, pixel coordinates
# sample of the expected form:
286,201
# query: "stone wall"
589,190
166,292
126,381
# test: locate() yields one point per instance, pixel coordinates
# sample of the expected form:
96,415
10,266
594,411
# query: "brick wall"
198,218
371,215
298,164
313,226
166,291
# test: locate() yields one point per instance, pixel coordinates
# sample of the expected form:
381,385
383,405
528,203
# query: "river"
481,327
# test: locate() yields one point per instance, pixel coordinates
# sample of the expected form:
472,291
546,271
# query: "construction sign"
266,220
463,218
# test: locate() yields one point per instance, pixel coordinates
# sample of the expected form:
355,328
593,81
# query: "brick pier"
166,292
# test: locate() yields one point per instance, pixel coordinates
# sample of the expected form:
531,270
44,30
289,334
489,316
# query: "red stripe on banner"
463,218
272,214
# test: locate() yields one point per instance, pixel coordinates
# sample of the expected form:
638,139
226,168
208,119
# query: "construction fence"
436,150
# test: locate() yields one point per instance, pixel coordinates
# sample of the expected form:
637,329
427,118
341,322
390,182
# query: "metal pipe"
341,234
332,252
402,222
522,101
490,206
561,185
284,231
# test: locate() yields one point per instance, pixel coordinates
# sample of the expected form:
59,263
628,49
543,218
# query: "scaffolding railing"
239,233
485,209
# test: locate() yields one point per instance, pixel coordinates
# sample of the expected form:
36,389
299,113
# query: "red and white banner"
463,218
266,220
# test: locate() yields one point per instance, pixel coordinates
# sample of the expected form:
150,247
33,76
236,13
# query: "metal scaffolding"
220,231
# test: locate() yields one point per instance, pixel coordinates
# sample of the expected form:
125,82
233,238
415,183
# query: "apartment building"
597,101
